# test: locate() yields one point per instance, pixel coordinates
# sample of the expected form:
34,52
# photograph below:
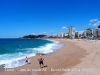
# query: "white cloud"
97,23
93,20
64,28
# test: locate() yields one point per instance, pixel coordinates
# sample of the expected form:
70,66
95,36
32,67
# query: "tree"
76,35
80,36
33,36
90,34
99,26
97,33
87,34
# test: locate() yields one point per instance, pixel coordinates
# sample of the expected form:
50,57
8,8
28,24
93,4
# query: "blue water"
14,51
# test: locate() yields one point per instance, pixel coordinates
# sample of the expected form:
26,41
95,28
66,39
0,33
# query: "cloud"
93,20
97,23
64,28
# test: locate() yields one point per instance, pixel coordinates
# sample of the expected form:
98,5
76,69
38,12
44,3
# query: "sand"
90,64
75,58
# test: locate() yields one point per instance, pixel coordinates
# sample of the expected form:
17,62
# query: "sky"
23,17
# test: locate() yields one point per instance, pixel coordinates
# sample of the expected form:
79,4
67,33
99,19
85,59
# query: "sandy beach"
75,58
90,63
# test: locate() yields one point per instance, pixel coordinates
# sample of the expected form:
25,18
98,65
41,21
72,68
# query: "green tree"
90,34
99,26
97,33
76,35
80,36
87,34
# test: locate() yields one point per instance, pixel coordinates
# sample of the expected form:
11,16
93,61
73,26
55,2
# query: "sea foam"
18,59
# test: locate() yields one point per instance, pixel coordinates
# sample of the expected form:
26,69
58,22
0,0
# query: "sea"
13,51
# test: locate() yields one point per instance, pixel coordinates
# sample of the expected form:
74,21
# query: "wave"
18,59
14,60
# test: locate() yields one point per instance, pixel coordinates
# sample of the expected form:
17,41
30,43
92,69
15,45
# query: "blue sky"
22,17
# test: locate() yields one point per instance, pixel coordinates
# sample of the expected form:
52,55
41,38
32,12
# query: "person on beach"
26,60
40,59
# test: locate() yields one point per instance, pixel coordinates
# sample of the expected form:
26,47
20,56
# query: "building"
84,33
66,34
62,35
59,35
79,34
92,32
71,32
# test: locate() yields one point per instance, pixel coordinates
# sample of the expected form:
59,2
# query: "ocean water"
14,51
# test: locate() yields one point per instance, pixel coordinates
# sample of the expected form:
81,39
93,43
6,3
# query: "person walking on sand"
40,59
26,60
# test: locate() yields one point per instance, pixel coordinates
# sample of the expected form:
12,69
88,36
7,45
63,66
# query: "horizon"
49,17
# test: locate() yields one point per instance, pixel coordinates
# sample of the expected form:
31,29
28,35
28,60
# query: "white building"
92,32
62,35
71,32
66,34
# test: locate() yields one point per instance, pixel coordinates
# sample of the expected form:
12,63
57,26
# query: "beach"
90,63
75,58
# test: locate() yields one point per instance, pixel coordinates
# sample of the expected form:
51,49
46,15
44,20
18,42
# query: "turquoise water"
14,51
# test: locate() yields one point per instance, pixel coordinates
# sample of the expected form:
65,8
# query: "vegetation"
76,35
87,34
99,26
80,35
90,34
97,33
33,36
88,29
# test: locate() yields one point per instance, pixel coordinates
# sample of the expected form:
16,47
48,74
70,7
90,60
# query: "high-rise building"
71,32
71,29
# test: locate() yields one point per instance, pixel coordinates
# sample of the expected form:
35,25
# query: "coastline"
17,59
63,58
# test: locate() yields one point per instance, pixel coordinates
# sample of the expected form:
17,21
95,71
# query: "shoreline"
64,58
49,51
